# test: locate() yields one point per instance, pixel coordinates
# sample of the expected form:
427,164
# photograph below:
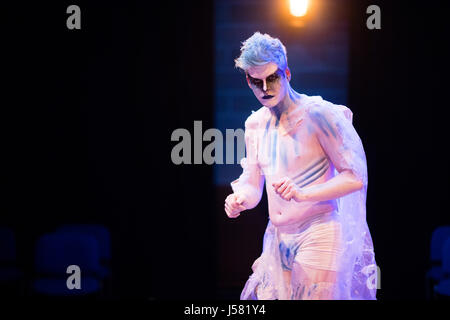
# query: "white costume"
310,144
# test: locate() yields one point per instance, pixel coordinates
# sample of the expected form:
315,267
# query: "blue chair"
55,252
434,274
101,233
443,287
438,237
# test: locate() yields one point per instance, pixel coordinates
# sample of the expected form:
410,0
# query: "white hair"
260,49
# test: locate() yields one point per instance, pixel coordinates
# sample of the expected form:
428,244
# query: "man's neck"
289,103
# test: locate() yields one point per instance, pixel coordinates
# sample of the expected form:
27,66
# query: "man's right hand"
234,205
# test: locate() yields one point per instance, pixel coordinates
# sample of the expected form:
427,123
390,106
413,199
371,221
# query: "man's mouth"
268,96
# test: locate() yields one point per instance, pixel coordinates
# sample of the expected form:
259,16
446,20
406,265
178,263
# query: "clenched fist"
287,189
233,205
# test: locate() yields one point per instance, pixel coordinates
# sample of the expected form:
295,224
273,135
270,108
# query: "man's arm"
251,182
340,185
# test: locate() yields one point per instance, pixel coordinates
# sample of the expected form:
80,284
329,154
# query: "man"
317,244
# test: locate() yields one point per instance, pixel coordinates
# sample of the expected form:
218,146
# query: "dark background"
87,117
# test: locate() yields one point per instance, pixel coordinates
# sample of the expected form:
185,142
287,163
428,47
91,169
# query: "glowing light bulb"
298,7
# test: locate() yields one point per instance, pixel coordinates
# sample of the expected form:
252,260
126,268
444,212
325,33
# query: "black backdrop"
87,117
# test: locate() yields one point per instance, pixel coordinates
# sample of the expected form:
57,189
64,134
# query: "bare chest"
286,154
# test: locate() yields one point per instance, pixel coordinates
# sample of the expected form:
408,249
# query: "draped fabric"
337,140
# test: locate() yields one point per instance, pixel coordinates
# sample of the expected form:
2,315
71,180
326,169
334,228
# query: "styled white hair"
260,49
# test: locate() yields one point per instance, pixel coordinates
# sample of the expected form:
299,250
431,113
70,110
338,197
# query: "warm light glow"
298,7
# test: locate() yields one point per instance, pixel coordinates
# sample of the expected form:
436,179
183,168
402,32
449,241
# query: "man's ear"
288,74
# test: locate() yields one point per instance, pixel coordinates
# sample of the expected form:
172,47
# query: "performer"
317,244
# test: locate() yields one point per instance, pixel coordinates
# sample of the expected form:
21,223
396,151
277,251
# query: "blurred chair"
442,289
55,252
102,234
440,234
11,277
434,274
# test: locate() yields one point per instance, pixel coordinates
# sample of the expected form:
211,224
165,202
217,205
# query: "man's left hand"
287,189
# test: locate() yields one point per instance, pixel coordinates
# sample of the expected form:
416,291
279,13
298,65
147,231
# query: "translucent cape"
357,270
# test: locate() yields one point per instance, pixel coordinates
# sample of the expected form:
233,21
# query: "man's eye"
256,82
272,78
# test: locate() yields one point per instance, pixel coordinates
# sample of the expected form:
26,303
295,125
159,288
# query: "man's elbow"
253,198
353,180
359,184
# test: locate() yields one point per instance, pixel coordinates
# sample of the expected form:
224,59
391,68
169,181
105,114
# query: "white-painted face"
268,83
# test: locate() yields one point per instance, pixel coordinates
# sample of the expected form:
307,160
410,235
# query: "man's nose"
264,85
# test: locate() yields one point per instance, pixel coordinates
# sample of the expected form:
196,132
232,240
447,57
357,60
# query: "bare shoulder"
326,112
255,118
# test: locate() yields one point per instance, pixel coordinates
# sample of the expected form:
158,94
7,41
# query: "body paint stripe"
283,155
263,143
311,167
320,120
274,149
313,173
319,174
267,127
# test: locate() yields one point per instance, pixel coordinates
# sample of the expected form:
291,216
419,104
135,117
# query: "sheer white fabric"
331,126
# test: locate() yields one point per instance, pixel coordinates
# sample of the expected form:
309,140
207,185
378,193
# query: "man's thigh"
316,262
311,283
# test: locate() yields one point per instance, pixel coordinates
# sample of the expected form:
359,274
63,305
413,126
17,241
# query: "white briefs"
315,243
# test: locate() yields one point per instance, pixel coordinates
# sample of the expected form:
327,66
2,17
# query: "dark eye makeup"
256,82
273,77
270,79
